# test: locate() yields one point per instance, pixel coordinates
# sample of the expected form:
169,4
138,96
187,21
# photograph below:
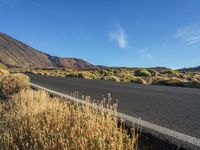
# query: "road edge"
175,137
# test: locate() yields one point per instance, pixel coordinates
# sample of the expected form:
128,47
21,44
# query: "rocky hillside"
14,53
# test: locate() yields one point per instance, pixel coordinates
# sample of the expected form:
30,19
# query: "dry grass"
3,72
174,81
111,78
2,66
138,80
171,72
13,83
33,120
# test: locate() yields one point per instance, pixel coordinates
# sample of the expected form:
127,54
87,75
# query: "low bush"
193,83
112,78
3,72
138,80
13,84
197,77
2,66
171,72
106,72
153,72
82,75
170,81
72,75
33,120
175,82
158,80
93,76
125,77
142,73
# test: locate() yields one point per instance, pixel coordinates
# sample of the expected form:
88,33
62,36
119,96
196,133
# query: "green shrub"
92,76
142,73
171,72
153,72
106,72
13,84
125,77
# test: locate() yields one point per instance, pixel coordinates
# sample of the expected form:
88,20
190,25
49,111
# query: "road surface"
175,108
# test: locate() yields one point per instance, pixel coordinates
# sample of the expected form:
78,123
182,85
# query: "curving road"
171,107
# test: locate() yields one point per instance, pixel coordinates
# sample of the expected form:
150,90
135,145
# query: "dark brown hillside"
14,53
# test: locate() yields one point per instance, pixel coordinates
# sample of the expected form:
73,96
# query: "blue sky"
132,33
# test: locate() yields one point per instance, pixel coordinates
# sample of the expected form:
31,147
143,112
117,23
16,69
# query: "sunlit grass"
139,76
33,120
13,83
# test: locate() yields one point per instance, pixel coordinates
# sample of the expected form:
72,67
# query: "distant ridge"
160,69
14,53
190,69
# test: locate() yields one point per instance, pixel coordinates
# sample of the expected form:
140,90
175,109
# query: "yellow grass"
13,83
33,120
3,72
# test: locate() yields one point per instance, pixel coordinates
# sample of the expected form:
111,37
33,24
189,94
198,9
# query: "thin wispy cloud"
145,54
119,36
189,34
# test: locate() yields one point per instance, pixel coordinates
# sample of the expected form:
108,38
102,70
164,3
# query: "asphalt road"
171,107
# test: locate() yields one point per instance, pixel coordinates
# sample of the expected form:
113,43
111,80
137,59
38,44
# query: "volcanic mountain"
14,53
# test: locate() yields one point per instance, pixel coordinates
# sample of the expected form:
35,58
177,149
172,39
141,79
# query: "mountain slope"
14,53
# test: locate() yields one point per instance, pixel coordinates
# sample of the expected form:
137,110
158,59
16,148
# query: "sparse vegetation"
111,78
170,82
171,72
3,72
142,73
140,76
138,80
153,72
13,83
2,66
33,120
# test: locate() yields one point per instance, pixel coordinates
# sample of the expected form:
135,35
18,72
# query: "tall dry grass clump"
138,80
33,120
3,72
13,83
2,66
